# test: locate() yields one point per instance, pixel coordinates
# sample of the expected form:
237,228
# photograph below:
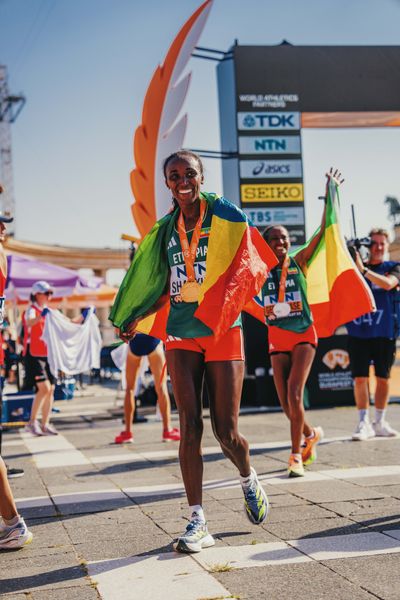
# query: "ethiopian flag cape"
238,262
336,291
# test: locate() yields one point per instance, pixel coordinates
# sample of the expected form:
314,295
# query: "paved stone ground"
104,516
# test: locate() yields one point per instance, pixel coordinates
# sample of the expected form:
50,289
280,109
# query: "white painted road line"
303,550
182,577
340,474
53,451
57,451
255,555
178,577
278,479
12,443
347,546
34,502
75,413
82,497
172,453
330,474
177,489
116,458
71,498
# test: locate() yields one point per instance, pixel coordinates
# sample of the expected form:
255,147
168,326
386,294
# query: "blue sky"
84,66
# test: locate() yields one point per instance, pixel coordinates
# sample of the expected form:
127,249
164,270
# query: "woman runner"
193,351
292,336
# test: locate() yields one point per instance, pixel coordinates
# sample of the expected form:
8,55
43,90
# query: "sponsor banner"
330,378
276,101
286,215
270,169
351,119
270,144
271,192
263,121
297,234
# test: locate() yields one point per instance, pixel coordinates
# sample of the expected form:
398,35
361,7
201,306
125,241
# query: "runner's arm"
130,329
305,254
31,318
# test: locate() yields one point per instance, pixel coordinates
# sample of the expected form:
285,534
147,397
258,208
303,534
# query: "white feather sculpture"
160,134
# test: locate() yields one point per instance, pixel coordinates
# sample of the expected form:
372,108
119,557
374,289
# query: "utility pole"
10,107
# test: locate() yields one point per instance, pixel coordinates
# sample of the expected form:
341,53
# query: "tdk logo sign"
258,121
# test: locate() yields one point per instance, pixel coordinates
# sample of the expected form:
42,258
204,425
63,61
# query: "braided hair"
267,231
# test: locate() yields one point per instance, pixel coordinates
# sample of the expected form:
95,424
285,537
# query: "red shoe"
171,435
125,437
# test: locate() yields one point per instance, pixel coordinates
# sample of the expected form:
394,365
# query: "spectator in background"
146,345
10,356
372,338
35,359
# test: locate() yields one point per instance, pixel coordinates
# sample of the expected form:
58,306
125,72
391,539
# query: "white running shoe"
14,536
34,428
364,431
49,430
383,429
195,538
256,505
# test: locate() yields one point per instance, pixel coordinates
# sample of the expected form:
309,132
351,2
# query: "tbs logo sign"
258,121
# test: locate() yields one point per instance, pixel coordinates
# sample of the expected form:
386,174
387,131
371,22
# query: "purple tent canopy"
23,272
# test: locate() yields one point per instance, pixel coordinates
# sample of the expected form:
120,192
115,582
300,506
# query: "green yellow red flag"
336,290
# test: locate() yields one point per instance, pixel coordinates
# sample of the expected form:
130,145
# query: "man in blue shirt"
372,338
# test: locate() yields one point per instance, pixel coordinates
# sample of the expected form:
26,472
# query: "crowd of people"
226,262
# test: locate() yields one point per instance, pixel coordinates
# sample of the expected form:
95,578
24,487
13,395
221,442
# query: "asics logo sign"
270,169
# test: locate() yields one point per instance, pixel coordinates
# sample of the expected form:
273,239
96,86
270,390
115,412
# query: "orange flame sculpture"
159,135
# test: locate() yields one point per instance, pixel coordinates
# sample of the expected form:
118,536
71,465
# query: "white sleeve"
30,314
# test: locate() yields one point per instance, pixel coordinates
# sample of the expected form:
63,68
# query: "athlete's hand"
86,311
335,175
45,312
129,332
359,262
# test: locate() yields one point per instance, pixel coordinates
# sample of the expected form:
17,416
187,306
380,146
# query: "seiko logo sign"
270,169
269,145
271,192
265,121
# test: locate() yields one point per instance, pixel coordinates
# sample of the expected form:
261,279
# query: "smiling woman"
209,263
292,335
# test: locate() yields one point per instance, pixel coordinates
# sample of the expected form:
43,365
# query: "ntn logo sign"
265,121
271,192
270,144
266,169
276,216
